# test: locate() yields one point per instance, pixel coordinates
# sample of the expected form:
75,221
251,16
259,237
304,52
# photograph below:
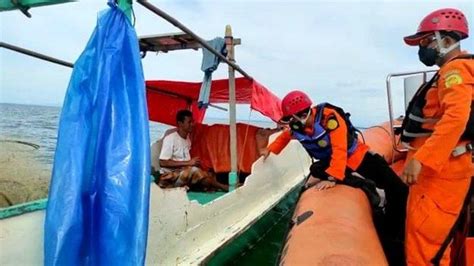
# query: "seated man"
178,169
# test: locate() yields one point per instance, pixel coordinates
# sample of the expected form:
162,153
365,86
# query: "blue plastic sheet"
97,211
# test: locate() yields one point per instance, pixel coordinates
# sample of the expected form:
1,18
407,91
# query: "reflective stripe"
416,135
320,135
408,146
461,149
423,120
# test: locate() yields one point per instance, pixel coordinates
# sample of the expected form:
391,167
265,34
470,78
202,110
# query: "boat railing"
405,75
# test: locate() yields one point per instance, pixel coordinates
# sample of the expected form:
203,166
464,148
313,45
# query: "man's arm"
455,93
177,164
280,142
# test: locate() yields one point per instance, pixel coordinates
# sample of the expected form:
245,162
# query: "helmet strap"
442,50
303,120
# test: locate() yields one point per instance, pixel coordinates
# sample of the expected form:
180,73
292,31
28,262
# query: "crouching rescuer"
329,137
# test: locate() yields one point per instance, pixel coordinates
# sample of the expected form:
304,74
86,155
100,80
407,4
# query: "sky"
336,51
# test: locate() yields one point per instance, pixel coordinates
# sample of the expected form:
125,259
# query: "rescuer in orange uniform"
438,129
327,134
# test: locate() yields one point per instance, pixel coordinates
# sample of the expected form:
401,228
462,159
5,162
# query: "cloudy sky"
337,51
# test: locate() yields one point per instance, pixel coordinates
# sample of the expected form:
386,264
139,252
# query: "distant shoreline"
39,105
207,118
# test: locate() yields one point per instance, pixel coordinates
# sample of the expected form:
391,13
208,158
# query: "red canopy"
166,98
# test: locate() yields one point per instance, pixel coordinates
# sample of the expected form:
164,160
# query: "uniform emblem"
452,79
322,143
332,124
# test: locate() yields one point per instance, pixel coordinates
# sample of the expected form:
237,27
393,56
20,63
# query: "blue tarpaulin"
97,211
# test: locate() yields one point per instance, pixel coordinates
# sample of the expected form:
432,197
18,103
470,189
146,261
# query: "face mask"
298,124
428,56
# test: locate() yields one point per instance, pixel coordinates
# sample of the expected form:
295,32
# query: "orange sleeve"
338,136
455,88
280,142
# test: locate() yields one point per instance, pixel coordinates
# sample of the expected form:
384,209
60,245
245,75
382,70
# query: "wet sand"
22,177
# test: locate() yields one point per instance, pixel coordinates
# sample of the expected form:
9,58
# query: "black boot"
367,185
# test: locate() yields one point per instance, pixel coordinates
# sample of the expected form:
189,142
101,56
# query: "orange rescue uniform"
339,159
435,201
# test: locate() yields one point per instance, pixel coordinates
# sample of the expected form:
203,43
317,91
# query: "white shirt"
175,148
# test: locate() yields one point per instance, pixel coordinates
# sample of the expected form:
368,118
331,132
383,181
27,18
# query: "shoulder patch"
452,78
332,123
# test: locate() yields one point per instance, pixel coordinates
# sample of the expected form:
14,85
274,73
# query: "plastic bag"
97,212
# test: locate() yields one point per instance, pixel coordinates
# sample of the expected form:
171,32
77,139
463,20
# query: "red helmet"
295,102
446,19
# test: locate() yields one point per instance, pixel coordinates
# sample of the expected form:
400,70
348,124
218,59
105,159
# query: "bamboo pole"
180,26
232,112
36,55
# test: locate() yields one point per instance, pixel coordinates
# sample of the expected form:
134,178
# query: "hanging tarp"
165,98
212,145
97,211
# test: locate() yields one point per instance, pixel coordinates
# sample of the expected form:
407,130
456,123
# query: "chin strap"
444,51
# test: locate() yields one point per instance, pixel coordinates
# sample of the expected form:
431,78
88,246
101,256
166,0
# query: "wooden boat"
185,228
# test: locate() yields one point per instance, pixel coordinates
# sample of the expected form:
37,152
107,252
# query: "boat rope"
241,155
385,130
35,146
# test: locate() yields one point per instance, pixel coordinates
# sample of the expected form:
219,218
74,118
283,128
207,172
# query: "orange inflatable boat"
379,139
335,227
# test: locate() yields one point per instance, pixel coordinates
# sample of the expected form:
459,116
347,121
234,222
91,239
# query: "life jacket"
414,119
318,145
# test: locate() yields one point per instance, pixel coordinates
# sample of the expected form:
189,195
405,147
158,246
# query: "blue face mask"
428,56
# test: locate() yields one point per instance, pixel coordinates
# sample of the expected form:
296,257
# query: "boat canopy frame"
188,40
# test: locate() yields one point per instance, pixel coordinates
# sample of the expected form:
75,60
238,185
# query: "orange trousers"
434,204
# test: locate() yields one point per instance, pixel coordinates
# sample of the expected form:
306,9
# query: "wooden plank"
170,42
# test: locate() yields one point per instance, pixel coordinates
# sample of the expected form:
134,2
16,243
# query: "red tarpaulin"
212,145
166,98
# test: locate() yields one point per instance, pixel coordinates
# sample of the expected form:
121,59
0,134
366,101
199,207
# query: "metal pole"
35,54
390,103
232,112
176,23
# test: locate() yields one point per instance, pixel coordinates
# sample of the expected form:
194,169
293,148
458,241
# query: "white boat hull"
181,231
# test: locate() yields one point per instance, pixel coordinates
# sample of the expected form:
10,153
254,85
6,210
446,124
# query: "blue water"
39,125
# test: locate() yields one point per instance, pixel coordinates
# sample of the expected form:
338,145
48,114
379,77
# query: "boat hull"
182,231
